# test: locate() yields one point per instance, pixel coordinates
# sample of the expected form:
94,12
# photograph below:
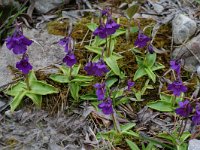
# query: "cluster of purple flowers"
143,41
67,43
185,109
18,43
106,104
96,68
177,86
105,30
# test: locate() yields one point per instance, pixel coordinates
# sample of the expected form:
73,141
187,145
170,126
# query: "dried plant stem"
115,122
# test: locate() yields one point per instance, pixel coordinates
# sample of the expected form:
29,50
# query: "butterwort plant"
30,87
105,30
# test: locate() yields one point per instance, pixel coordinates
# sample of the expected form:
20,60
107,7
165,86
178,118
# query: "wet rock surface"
183,28
43,52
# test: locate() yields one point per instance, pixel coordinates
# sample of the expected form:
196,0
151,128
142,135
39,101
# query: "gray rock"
189,53
44,6
182,28
10,3
194,144
158,8
42,53
2,103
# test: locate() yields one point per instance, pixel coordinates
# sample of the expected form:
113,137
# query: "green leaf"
138,96
198,1
162,106
167,136
17,100
134,29
127,127
166,97
37,99
150,74
132,145
65,70
89,97
118,93
111,81
131,11
31,77
185,135
139,73
123,100
157,66
112,63
59,78
150,59
112,44
75,70
150,146
42,88
98,51
82,78
17,88
131,133
74,90
92,26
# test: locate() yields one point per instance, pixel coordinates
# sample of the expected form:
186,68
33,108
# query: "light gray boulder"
42,53
189,53
182,28
194,144
44,6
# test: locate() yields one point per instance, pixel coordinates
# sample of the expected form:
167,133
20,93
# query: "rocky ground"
76,128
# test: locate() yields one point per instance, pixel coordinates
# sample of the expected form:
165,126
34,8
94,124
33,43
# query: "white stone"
182,28
194,144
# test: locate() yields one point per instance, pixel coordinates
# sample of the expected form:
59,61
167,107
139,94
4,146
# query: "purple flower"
67,43
90,68
18,43
196,117
100,31
97,69
24,66
111,26
176,66
106,106
184,108
69,59
150,49
130,84
105,12
101,68
142,40
177,87
100,90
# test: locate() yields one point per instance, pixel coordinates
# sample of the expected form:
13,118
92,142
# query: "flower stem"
27,82
174,101
109,49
